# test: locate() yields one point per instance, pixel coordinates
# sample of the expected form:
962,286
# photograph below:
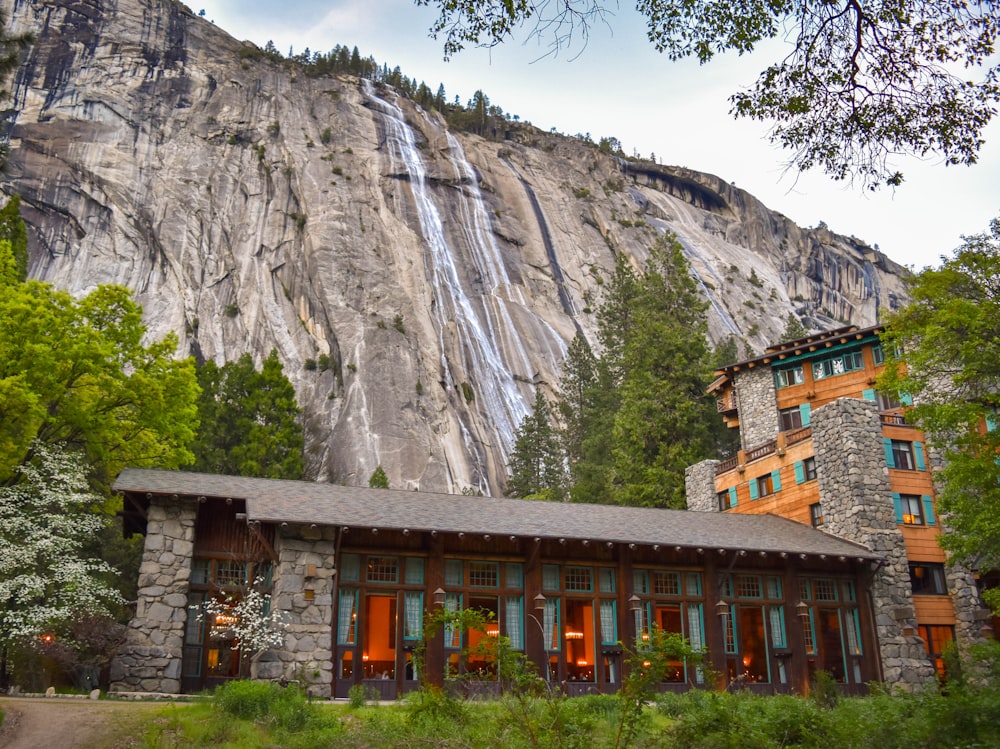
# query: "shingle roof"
275,501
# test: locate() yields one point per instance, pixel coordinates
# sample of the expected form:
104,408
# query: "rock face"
417,284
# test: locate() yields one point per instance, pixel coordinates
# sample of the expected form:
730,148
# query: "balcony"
895,420
727,403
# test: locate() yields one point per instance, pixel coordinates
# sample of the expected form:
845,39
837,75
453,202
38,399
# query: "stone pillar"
857,505
699,486
303,591
150,658
758,407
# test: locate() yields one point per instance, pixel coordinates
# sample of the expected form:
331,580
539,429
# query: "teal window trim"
732,496
800,472
824,353
805,410
897,503
413,570
753,489
918,456
868,395
413,615
776,480
887,446
550,577
608,620
928,504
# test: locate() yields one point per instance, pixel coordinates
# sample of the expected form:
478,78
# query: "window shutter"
887,444
776,480
991,421
800,472
906,399
928,510
918,455
868,395
753,488
806,411
897,502
732,496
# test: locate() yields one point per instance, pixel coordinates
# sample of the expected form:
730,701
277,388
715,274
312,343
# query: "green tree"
536,469
75,372
378,479
863,80
943,350
794,329
13,230
665,420
250,423
47,580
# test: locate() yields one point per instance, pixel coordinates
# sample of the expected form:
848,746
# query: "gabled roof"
278,501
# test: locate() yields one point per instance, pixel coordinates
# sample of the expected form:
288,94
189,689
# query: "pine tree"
794,329
664,421
250,422
378,479
536,469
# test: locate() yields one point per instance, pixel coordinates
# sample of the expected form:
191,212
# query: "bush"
283,708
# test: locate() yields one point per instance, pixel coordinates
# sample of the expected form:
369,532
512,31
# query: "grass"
248,715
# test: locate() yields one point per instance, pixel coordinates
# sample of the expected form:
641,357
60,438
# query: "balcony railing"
798,435
895,420
762,450
727,403
727,465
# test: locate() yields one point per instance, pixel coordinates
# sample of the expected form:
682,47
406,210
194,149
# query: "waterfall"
488,341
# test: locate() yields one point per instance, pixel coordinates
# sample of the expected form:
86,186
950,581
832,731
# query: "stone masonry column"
150,658
699,486
758,407
857,505
303,591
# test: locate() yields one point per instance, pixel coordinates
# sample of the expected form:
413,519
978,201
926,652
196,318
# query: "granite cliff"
418,284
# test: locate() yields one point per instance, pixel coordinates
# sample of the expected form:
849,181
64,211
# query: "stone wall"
758,406
857,505
303,590
150,658
699,486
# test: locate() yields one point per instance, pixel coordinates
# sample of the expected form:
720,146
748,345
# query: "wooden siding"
934,610
922,543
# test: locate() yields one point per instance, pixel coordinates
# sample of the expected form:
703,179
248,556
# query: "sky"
618,85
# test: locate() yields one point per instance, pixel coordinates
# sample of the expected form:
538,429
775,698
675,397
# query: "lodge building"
814,548
819,445
354,569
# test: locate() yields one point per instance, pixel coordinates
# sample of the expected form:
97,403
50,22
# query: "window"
809,468
579,579
836,365
928,579
765,485
382,570
902,455
723,500
791,418
887,402
484,575
878,355
816,514
911,509
787,377
936,639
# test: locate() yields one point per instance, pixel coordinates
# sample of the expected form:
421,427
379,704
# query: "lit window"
911,508
383,569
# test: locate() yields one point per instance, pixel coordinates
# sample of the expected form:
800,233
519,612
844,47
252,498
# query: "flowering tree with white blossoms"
247,619
46,579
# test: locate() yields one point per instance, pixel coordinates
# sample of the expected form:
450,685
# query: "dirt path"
54,723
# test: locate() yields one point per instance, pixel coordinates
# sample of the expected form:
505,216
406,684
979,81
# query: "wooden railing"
762,450
895,420
727,402
798,435
727,465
